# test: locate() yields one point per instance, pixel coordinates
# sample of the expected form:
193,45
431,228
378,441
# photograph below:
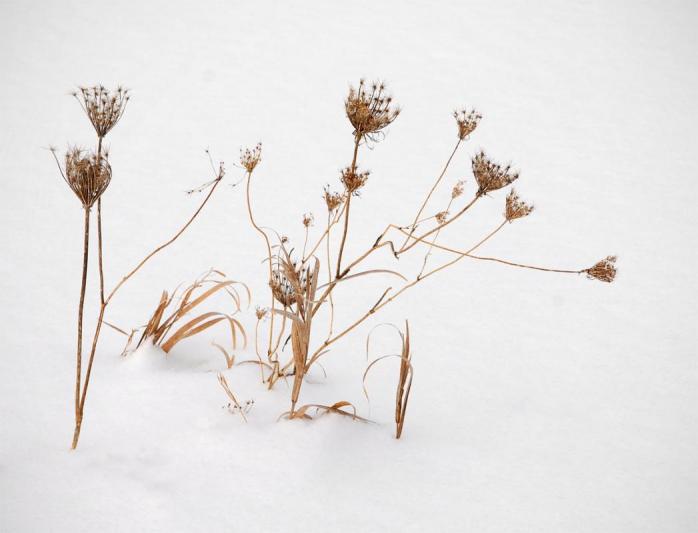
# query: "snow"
540,402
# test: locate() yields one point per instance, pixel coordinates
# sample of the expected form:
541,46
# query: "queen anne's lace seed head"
104,108
491,176
369,109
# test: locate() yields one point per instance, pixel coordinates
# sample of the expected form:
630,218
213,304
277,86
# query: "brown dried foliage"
369,109
515,207
605,270
467,121
103,107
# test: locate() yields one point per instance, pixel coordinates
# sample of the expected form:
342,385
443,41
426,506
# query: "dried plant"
467,121
490,176
234,406
404,383
296,293
103,107
604,270
515,207
165,331
88,175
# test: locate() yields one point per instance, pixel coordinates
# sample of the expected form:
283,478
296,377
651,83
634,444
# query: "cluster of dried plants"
296,291
302,281
88,174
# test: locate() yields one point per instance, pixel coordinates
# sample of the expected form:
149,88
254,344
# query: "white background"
541,402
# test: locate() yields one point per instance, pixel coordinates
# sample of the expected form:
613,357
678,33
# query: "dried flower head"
332,199
442,217
251,158
467,121
354,180
491,176
604,270
515,207
261,312
87,175
458,189
289,282
369,109
308,219
104,108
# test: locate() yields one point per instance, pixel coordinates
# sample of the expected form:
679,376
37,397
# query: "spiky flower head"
441,217
467,121
458,189
491,176
250,158
87,175
332,199
516,207
354,180
369,109
308,219
103,107
604,270
261,312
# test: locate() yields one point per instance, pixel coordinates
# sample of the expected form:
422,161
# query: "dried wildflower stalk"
370,111
88,175
404,383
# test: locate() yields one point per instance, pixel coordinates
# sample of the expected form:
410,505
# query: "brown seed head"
251,158
86,175
515,207
332,199
289,282
442,217
104,108
354,180
261,312
458,189
369,109
308,219
491,176
604,270
467,121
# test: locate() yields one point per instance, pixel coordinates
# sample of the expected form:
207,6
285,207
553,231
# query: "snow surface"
540,402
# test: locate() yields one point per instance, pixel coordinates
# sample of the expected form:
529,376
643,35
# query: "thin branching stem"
413,226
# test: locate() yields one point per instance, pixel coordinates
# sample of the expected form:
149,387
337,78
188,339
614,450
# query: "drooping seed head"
87,175
354,180
103,107
369,109
250,158
332,199
605,270
458,189
308,219
491,176
516,207
467,121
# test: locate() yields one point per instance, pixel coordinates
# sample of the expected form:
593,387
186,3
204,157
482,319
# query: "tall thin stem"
99,231
357,140
82,399
81,308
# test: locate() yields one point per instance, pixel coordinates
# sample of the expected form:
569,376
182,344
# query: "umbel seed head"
308,219
251,158
605,270
369,109
491,176
87,175
354,180
515,207
458,189
467,121
103,107
332,199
